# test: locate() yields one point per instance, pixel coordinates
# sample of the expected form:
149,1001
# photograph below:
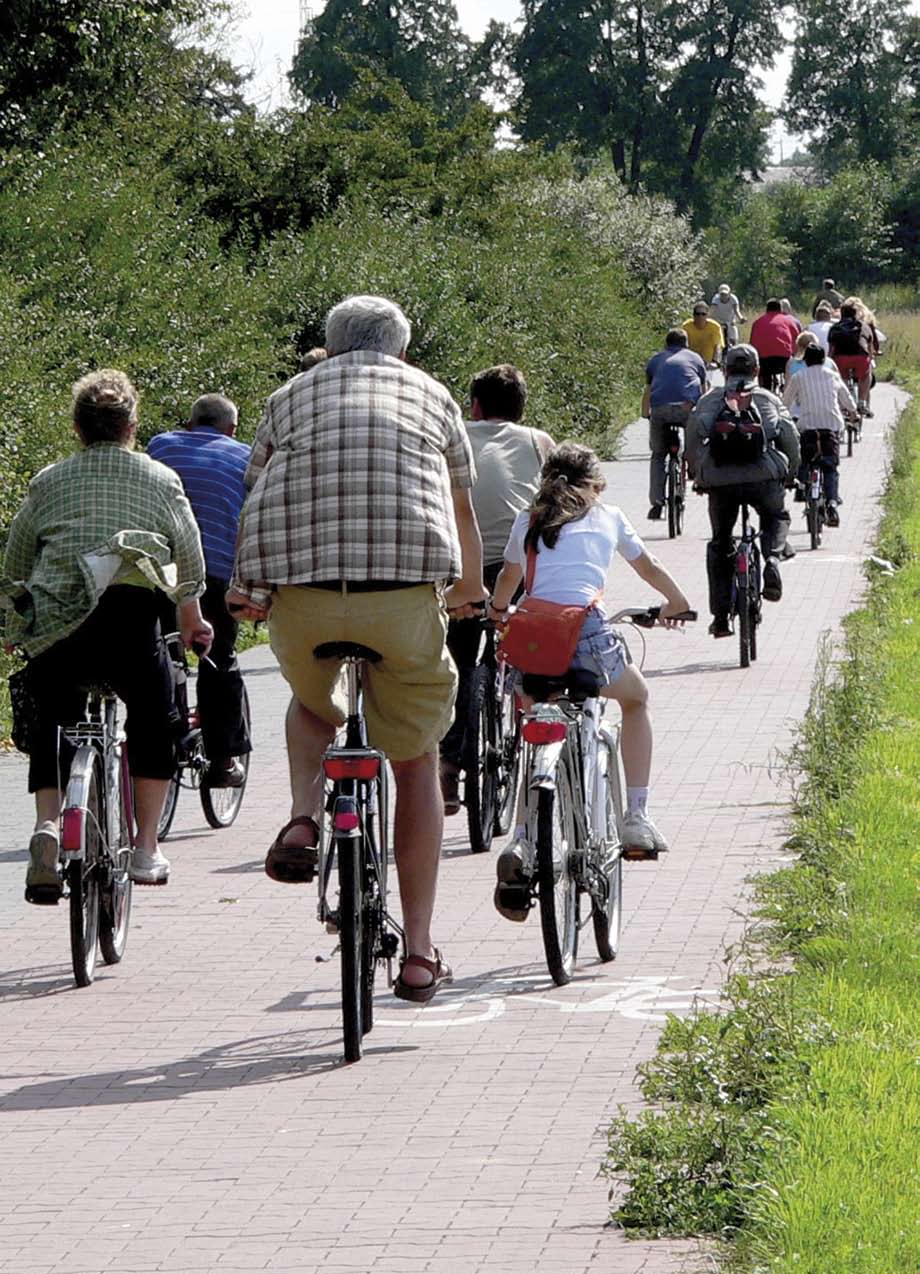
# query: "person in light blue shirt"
675,380
212,466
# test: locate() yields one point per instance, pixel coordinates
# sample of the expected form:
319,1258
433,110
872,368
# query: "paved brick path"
190,1112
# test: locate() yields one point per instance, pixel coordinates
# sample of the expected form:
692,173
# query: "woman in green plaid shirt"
96,535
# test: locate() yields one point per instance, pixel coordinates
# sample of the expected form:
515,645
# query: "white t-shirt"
725,309
820,329
576,570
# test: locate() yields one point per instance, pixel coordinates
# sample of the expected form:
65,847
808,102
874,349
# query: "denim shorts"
599,649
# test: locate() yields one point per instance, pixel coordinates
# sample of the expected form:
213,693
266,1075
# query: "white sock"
637,801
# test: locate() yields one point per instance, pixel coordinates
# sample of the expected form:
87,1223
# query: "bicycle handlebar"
648,616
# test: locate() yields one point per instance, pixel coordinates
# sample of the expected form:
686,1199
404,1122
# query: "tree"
64,61
418,43
853,83
666,89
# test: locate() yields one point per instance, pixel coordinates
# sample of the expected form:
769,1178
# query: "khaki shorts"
408,697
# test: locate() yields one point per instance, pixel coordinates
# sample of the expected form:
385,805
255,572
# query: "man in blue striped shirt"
212,465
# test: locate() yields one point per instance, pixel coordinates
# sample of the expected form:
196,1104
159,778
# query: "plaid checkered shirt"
104,515
351,478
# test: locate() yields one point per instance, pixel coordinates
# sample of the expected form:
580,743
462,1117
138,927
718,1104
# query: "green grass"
788,1125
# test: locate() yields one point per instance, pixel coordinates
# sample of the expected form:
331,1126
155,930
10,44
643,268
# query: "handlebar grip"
199,648
650,617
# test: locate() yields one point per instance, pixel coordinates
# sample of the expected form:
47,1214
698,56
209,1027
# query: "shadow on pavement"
687,669
269,1059
34,984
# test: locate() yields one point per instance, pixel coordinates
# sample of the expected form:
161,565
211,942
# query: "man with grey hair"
212,466
359,516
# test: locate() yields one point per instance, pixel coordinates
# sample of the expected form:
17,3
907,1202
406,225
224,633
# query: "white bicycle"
574,798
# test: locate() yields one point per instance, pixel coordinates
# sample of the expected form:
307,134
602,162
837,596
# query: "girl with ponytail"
575,537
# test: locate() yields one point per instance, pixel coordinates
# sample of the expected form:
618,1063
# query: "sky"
265,38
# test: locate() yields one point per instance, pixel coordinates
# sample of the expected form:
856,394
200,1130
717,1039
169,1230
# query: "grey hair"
214,410
367,323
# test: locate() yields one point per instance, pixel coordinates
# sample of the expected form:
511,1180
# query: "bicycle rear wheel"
509,773
222,804
83,882
557,889
813,518
607,910
115,913
351,943
744,621
673,498
481,759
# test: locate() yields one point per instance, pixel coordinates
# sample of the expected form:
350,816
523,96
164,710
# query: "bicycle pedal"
637,854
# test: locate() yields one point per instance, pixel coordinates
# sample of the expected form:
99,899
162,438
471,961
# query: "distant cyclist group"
775,422
369,521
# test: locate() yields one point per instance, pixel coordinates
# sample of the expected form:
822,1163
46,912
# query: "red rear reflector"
742,564
345,822
544,731
352,767
72,825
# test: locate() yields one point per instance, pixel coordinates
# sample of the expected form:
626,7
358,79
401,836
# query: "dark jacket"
779,459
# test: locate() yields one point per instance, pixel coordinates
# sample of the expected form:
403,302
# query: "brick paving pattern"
190,1112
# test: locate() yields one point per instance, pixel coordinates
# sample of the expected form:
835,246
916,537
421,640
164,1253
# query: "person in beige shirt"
508,457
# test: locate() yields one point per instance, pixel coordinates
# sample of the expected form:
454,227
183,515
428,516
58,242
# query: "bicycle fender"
544,761
73,834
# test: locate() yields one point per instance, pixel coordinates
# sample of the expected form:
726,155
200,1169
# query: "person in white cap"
725,308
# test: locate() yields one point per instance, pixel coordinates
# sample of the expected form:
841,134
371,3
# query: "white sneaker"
149,867
639,832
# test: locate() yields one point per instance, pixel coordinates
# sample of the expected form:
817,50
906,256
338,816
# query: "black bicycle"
854,424
746,586
815,504
354,837
675,484
491,753
97,836
220,804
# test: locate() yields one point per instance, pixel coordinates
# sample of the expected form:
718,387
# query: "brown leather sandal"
293,864
440,973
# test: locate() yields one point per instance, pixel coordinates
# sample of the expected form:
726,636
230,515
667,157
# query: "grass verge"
787,1125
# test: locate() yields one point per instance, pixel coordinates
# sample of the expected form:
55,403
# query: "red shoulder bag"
541,636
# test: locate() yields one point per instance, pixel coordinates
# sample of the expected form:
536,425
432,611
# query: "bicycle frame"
97,735
355,811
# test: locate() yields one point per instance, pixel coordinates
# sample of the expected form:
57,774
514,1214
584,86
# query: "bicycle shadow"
270,1059
682,670
18,985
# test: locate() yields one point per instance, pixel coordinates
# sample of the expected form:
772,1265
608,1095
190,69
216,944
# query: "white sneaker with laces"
639,832
149,867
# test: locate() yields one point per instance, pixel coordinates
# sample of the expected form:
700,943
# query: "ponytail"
570,483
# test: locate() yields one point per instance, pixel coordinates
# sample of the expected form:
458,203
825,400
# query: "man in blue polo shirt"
212,464
675,379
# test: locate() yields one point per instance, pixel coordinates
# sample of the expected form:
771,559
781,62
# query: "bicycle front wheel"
222,804
481,759
351,942
169,805
83,882
607,905
115,913
557,888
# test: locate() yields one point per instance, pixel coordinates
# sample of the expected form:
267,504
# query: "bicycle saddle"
578,683
346,650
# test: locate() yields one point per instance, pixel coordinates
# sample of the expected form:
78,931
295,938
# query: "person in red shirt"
773,335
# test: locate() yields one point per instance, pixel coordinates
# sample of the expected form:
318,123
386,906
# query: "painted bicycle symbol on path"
641,998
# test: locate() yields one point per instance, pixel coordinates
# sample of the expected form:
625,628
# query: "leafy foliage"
417,43
855,97
660,87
